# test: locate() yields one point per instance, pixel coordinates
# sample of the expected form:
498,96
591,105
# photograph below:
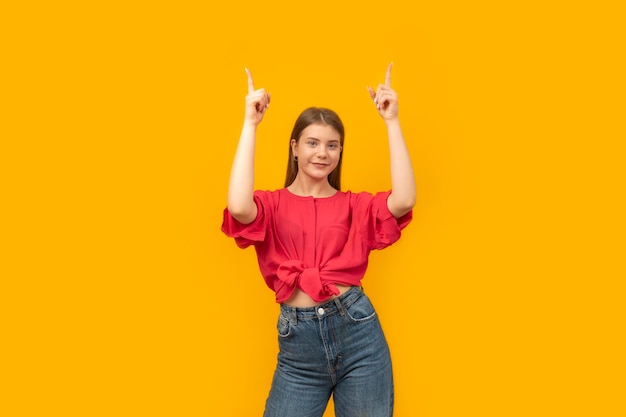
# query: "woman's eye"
332,146
312,143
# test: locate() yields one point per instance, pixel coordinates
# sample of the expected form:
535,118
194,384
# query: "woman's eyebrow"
319,140
314,138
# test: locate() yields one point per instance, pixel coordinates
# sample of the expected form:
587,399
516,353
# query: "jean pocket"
361,310
283,327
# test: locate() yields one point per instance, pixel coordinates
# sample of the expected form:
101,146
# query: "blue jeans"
336,348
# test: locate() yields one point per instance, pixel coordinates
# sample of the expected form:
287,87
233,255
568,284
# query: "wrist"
250,124
393,122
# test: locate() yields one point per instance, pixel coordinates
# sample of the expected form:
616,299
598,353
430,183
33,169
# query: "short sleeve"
247,234
382,229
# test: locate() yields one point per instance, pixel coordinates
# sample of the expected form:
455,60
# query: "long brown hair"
308,117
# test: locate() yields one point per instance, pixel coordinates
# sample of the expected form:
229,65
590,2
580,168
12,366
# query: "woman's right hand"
257,102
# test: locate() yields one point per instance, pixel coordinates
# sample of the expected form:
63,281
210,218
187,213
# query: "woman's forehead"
321,132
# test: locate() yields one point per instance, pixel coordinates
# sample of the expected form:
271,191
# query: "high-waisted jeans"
336,348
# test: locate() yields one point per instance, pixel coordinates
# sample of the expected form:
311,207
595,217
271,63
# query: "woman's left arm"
403,195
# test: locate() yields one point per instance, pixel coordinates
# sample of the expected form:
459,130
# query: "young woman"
312,242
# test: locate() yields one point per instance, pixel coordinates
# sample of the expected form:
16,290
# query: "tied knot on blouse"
294,273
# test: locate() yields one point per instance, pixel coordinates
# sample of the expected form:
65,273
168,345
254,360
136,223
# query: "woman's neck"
318,189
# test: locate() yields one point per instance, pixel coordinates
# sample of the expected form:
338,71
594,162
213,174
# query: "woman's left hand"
385,98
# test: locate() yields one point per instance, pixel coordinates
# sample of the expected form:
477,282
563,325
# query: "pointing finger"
388,75
250,81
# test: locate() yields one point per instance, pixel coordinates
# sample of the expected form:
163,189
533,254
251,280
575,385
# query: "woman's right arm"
241,203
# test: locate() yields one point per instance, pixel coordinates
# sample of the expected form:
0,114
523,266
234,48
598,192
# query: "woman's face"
318,151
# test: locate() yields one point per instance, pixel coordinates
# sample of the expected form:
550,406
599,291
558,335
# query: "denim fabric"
337,348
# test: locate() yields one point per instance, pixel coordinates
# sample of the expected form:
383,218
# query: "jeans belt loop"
293,316
342,311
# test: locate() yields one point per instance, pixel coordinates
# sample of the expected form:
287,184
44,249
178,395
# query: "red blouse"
315,243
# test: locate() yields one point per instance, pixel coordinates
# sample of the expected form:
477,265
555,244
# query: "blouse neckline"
309,197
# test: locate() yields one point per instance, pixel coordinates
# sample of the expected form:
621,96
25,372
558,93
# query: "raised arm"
403,195
241,185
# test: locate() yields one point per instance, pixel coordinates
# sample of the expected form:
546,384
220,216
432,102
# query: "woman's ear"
294,146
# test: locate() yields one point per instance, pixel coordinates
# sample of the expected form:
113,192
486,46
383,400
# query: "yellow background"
121,297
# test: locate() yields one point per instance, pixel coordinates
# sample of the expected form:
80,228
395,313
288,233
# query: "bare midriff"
301,299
